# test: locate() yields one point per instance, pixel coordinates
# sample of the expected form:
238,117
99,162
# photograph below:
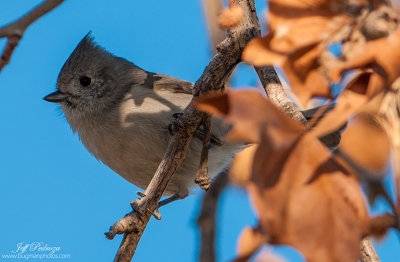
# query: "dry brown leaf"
240,105
384,52
306,80
366,143
380,224
363,88
250,240
308,201
268,256
300,67
366,83
298,24
258,53
241,168
231,16
349,103
302,196
215,104
297,29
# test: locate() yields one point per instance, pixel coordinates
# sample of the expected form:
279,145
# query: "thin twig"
275,91
207,218
11,44
15,30
19,26
213,79
368,253
202,177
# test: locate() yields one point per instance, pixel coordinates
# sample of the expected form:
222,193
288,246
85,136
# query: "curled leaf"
305,180
249,242
380,224
348,104
366,143
384,52
237,106
298,24
258,53
299,192
299,33
241,168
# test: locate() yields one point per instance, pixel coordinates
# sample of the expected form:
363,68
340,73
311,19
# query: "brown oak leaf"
367,144
301,195
358,92
297,38
250,240
382,52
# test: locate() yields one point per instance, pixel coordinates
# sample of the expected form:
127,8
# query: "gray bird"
122,115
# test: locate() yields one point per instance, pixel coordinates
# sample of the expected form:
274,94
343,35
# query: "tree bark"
368,253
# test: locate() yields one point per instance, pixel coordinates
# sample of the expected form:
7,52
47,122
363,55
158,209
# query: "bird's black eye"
85,80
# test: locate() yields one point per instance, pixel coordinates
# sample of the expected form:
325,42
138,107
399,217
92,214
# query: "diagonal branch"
212,79
15,30
275,91
11,44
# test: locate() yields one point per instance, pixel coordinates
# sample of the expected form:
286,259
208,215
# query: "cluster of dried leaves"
304,194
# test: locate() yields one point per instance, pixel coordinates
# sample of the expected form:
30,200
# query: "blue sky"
52,190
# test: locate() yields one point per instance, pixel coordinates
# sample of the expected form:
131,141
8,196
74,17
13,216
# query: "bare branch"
125,224
207,218
16,29
12,42
213,79
19,26
275,91
368,253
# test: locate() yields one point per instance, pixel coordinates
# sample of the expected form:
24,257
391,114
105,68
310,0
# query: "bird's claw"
155,214
141,194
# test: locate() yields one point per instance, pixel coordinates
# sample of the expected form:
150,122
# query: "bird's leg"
170,200
164,202
155,213
174,122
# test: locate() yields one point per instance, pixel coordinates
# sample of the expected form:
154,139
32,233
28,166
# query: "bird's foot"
135,203
156,214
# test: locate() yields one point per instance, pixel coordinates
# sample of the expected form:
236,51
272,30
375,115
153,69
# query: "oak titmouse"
122,115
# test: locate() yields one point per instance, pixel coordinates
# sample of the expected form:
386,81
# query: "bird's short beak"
55,97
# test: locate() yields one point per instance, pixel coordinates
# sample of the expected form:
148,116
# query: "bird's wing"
175,85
